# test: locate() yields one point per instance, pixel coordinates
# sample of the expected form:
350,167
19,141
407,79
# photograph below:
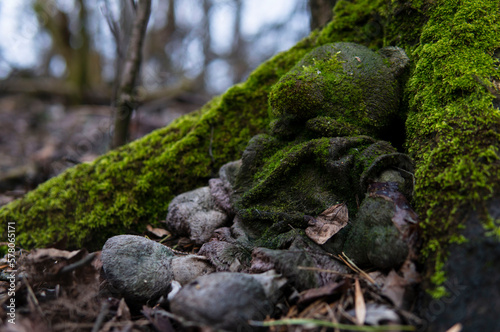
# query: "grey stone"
186,268
196,215
226,300
222,188
141,270
137,268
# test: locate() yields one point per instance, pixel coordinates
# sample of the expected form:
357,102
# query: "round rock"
195,214
137,268
226,300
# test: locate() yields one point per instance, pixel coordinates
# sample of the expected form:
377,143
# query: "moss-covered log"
453,133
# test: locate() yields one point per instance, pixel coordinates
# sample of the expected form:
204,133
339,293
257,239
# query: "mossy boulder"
340,89
277,188
291,174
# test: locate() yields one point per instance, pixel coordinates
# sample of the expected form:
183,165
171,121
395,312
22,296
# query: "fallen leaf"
455,328
328,223
394,288
41,254
314,294
159,232
359,302
158,318
379,314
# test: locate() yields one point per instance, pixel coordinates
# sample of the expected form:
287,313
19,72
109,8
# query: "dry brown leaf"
160,232
359,302
394,288
455,328
328,223
39,254
123,311
314,294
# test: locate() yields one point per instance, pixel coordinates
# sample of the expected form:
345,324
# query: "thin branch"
126,99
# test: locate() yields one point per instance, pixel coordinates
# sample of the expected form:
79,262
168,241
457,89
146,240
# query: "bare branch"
126,98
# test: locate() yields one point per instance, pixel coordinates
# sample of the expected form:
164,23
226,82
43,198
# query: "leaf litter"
59,290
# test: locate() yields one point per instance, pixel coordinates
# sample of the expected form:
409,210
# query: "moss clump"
453,128
276,191
341,87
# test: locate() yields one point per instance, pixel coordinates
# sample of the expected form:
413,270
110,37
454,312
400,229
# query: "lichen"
453,128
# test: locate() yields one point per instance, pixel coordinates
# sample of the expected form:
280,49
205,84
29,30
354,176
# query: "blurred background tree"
203,46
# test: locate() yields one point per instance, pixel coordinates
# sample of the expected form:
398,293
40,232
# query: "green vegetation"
453,128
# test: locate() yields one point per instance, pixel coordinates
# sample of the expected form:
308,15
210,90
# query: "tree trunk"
321,12
126,99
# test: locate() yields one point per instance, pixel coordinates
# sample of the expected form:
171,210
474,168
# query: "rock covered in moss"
280,183
374,240
228,301
339,89
196,215
141,270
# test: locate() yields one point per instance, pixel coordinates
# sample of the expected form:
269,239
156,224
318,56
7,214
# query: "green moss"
453,127
340,89
376,24
276,191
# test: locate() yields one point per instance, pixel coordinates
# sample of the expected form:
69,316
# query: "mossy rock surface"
277,188
341,84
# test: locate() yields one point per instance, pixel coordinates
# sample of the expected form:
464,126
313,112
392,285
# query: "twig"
317,269
315,322
32,296
82,262
124,106
102,315
355,268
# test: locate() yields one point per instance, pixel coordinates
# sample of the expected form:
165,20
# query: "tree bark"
126,99
321,12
